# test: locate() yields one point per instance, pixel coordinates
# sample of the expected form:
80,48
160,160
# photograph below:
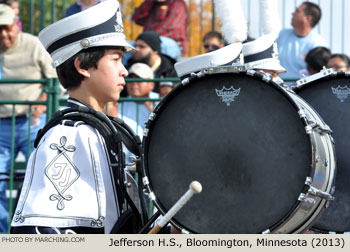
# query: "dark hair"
317,58
213,34
68,74
343,57
314,11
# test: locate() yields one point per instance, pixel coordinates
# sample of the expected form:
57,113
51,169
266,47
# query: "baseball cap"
7,16
141,70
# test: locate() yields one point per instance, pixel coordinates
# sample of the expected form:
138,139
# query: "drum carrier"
115,133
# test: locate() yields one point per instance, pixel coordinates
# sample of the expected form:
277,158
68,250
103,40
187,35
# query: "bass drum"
263,167
328,92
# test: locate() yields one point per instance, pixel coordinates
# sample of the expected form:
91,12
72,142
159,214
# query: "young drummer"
69,185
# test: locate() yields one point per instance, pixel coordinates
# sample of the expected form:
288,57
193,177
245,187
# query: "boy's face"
107,81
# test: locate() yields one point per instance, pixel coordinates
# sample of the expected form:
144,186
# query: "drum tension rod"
312,125
316,192
322,129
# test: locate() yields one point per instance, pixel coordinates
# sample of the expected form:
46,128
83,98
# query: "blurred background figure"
316,59
165,88
79,6
139,111
167,17
148,51
14,4
295,43
339,62
23,57
212,41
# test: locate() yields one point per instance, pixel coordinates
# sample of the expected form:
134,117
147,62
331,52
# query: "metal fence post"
48,90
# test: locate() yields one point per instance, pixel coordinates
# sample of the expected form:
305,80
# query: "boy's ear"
83,72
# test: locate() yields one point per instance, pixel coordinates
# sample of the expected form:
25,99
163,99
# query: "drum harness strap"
115,132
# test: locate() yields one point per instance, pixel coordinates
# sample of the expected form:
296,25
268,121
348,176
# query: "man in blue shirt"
294,44
79,6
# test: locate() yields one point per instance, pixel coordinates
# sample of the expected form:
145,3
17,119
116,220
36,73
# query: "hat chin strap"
84,44
261,63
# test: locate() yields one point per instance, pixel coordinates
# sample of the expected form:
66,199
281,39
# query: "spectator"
165,88
148,51
339,62
167,17
139,111
24,57
212,41
75,183
14,4
79,6
316,59
294,44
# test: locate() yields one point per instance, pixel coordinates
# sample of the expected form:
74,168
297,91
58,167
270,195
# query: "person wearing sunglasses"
212,41
339,62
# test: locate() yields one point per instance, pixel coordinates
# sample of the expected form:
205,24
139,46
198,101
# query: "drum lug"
324,129
152,116
316,192
145,181
150,195
302,113
145,132
308,129
267,231
185,81
185,231
251,72
267,77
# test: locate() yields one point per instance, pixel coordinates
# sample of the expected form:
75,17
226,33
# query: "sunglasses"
337,67
211,47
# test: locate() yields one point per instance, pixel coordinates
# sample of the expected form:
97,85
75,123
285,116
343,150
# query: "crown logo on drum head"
228,95
341,93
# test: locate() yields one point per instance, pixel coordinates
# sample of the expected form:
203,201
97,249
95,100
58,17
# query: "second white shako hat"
226,56
262,53
100,25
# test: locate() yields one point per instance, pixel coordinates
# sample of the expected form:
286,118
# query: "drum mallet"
195,188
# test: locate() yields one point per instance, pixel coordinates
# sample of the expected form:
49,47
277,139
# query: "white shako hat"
100,25
226,56
262,53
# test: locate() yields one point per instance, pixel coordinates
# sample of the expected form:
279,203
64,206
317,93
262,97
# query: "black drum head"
330,97
247,147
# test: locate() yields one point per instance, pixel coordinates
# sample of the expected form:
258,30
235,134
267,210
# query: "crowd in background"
163,42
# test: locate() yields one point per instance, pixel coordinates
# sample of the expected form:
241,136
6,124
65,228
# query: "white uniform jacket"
68,181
